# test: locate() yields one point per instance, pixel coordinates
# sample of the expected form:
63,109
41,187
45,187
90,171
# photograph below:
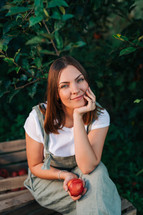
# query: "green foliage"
107,38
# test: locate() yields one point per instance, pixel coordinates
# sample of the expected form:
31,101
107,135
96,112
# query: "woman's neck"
69,119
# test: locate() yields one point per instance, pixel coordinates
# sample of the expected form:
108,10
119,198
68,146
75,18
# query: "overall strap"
90,124
41,118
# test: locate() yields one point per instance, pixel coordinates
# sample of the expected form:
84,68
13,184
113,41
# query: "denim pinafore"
101,198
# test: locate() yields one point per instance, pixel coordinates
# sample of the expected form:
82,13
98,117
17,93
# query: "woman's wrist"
62,174
77,114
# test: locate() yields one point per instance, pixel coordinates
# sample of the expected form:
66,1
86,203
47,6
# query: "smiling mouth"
78,98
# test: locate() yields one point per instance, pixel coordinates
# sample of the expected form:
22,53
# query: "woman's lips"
78,97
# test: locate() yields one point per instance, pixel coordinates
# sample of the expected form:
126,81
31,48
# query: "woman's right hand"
68,177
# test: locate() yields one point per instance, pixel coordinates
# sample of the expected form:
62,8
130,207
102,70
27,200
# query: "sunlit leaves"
120,37
138,101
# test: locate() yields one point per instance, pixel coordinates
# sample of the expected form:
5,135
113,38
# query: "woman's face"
72,87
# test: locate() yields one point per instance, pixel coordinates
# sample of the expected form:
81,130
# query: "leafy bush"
107,38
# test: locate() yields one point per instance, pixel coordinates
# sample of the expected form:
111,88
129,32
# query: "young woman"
64,139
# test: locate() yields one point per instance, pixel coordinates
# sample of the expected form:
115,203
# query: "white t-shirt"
61,144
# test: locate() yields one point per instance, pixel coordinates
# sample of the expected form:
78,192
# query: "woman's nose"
74,88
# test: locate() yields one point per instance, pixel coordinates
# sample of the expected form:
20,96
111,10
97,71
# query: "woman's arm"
35,156
34,151
88,148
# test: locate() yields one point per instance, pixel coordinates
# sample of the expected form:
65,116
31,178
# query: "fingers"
69,176
78,197
65,187
74,197
91,95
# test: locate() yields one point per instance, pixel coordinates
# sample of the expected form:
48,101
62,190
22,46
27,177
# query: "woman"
64,140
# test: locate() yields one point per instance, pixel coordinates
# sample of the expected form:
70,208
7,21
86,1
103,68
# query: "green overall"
101,198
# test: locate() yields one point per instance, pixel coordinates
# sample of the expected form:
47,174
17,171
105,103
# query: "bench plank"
125,204
13,194
128,208
15,166
12,182
11,146
132,212
17,201
31,209
13,157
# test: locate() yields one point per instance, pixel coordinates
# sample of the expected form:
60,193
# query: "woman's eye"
64,86
80,80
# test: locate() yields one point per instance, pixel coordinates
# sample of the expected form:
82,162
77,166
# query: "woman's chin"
80,104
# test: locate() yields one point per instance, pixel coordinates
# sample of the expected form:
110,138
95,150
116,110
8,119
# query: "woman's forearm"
85,156
50,174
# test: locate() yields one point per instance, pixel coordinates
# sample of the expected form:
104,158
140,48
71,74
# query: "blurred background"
106,37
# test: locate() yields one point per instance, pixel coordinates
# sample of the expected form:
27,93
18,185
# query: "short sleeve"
102,121
32,127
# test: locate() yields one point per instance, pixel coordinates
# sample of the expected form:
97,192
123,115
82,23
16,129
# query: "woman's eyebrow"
68,81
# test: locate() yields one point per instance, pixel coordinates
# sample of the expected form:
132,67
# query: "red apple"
22,172
75,186
14,174
4,173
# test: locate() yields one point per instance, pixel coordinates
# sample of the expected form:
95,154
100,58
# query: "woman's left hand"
91,103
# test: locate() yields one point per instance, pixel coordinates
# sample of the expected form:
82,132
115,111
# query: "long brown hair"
54,114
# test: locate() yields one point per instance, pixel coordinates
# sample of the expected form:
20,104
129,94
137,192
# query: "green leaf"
15,10
23,77
120,37
58,25
57,3
47,52
34,20
98,4
68,47
12,94
67,16
35,40
56,15
17,69
62,9
33,90
48,36
38,62
38,7
59,40
18,51
46,13
127,51
99,84
140,172
79,44
140,38
9,60
138,101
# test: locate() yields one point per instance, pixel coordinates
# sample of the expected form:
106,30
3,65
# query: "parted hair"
54,113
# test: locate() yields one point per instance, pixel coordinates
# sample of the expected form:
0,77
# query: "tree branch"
57,52
23,86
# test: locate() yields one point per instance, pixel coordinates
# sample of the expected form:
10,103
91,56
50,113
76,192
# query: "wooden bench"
13,158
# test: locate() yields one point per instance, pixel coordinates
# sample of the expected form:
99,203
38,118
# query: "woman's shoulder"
103,120
32,126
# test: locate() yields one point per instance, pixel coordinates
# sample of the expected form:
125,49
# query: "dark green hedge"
106,36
